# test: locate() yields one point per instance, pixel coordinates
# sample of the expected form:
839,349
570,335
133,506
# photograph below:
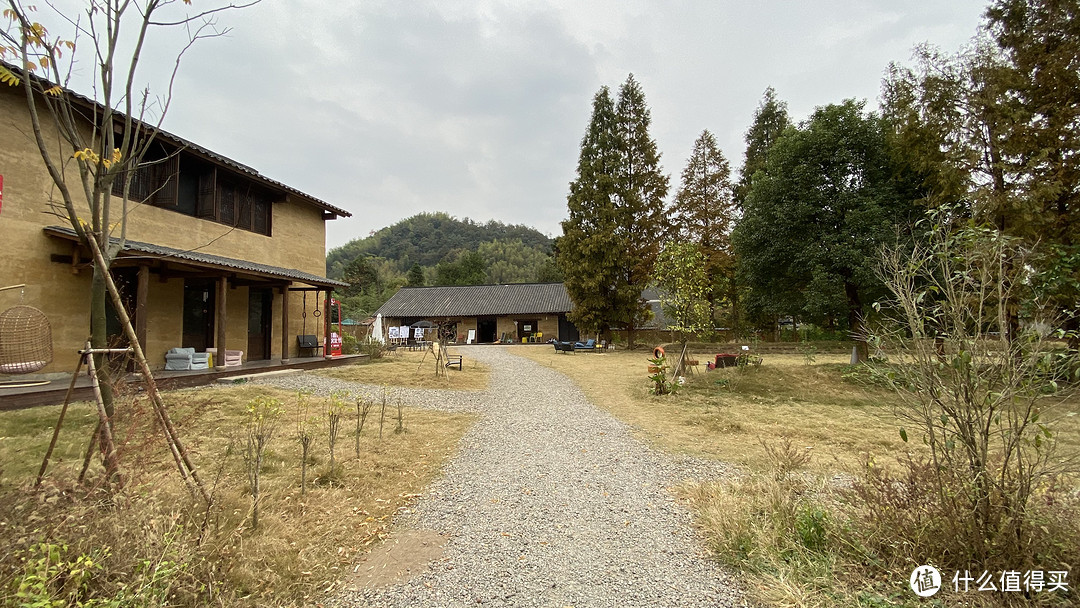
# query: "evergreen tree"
362,277
770,121
1040,40
591,253
704,213
416,275
641,188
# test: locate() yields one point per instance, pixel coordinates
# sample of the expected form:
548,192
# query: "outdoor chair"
200,361
179,359
725,360
453,361
589,344
234,358
309,342
564,347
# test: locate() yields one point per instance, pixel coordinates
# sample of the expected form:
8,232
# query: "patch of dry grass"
723,414
413,369
156,537
801,539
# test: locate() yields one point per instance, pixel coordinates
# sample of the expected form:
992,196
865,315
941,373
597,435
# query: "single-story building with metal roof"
523,312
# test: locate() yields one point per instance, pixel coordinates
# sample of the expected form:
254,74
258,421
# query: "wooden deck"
53,392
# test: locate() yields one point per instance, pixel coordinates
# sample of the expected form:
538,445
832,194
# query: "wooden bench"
453,361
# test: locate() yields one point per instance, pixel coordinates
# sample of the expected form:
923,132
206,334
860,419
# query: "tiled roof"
199,150
206,259
477,300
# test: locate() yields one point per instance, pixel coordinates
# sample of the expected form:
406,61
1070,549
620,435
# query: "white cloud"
477,108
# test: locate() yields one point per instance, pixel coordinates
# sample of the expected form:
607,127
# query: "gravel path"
550,502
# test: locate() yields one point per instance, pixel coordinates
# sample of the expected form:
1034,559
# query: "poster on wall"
393,332
418,333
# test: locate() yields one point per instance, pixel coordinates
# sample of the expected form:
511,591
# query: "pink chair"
234,358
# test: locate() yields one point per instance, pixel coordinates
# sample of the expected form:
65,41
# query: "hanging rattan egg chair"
25,340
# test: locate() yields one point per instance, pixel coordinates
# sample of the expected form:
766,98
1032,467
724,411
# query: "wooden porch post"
222,318
285,342
142,292
326,322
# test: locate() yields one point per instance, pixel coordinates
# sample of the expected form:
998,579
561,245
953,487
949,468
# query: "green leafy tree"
549,271
511,261
704,213
591,253
468,269
684,287
640,190
815,217
416,275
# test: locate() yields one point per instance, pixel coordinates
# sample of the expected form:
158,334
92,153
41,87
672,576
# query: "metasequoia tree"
704,213
590,254
100,142
996,127
617,216
770,121
641,188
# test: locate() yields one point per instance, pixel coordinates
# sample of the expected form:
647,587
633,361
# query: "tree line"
991,133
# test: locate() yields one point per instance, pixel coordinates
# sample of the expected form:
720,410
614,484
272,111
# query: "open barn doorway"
486,328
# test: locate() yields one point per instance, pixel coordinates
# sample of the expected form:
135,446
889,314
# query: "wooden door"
260,314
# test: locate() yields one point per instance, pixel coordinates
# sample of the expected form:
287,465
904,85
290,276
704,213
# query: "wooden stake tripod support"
437,350
104,427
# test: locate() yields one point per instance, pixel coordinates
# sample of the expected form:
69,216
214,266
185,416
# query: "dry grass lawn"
727,413
798,539
413,369
305,544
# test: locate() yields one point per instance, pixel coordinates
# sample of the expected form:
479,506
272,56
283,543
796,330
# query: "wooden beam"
222,319
326,326
286,341
142,293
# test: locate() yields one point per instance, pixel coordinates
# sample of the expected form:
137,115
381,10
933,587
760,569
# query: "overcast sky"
477,108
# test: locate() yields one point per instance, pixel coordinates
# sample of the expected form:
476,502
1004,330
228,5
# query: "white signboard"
418,333
393,331
472,336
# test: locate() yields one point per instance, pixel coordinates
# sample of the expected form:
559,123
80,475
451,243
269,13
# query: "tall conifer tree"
770,120
592,253
641,189
704,213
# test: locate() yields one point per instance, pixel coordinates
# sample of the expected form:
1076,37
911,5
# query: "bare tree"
981,402
99,140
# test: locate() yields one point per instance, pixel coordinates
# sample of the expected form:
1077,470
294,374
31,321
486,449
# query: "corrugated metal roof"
193,147
206,259
477,300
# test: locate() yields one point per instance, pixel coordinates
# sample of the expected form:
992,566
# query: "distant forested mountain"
437,249
428,238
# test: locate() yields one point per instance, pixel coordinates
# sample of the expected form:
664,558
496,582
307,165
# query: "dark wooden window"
243,209
194,187
261,215
154,181
227,204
